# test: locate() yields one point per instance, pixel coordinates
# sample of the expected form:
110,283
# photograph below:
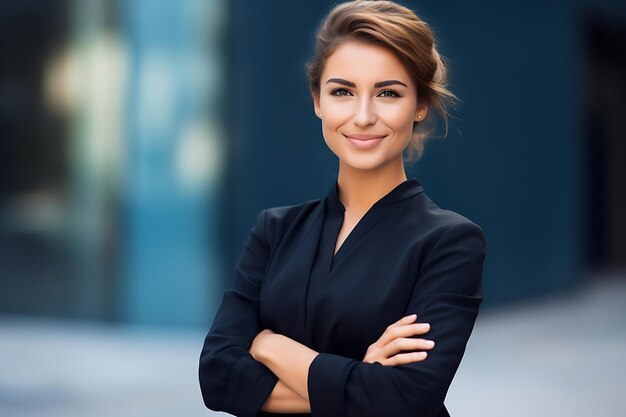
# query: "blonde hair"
410,39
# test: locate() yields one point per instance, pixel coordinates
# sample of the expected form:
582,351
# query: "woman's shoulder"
434,221
278,215
277,220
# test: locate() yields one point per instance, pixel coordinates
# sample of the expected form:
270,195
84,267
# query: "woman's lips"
365,141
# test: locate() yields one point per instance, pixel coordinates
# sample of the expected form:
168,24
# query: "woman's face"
366,93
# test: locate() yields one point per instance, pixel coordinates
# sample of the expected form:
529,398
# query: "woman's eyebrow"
377,85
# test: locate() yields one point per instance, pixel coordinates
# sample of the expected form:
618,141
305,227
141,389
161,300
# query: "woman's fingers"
403,343
403,358
407,319
402,330
404,320
396,338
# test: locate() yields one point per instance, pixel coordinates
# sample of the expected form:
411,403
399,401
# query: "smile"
365,141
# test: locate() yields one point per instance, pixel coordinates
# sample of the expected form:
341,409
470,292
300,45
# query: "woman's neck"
360,189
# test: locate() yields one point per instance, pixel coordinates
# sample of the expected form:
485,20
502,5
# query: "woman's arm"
285,400
385,350
230,379
286,358
447,295
395,339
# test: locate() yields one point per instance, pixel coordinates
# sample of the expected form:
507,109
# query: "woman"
333,298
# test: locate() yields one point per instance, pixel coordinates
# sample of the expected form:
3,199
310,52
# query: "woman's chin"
364,162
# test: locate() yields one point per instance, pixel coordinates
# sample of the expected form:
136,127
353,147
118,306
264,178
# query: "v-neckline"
402,191
335,248
343,220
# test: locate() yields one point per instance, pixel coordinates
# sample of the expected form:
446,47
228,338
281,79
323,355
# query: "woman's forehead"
361,62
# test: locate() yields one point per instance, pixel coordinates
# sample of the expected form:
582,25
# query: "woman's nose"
365,114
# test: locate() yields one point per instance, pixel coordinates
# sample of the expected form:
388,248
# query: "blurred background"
139,139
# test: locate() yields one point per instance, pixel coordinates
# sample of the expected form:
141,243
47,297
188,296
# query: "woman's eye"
337,90
391,93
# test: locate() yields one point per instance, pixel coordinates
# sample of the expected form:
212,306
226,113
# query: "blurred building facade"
111,155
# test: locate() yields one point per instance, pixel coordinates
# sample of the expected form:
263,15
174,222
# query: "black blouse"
405,255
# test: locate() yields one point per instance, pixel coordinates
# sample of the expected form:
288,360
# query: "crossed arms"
244,368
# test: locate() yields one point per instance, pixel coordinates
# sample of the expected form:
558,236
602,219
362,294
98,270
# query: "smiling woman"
329,294
404,42
385,96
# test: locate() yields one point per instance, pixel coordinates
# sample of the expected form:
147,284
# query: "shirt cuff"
249,385
326,381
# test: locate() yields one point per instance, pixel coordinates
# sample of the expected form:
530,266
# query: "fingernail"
430,343
413,315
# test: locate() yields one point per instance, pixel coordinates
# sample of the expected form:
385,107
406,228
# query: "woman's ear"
422,111
316,106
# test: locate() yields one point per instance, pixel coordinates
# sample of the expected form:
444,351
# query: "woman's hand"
396,339
258,343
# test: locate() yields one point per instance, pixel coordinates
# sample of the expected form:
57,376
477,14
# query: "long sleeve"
231,379
447,294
